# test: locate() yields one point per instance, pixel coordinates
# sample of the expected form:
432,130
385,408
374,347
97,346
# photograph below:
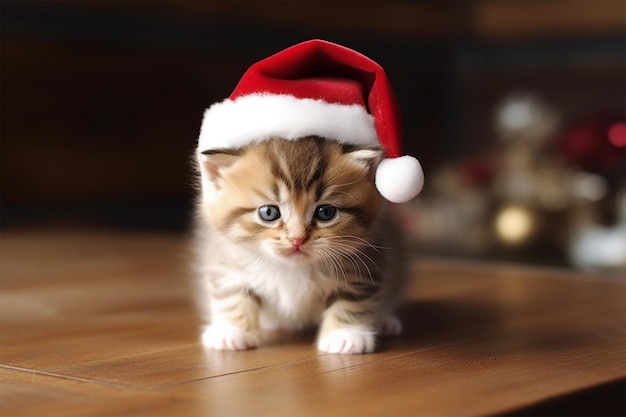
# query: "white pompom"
399,179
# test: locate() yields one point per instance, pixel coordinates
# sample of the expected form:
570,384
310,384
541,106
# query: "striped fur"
346,276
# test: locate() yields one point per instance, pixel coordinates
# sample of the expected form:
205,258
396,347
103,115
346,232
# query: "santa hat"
317,88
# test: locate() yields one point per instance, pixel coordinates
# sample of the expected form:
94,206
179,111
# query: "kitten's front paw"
349,341
229,337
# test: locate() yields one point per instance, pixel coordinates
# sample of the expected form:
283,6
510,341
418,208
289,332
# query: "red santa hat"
317,88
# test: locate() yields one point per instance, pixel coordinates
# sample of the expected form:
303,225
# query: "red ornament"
595,143
617,134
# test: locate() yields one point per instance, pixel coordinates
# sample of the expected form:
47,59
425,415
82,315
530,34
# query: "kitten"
293,234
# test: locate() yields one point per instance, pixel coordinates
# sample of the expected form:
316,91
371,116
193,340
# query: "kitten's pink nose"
297,241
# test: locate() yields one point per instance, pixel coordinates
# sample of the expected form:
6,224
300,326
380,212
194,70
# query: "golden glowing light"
514,224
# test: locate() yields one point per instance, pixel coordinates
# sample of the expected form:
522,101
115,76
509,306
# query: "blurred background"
516,109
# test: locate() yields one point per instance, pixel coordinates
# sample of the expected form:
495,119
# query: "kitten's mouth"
297,253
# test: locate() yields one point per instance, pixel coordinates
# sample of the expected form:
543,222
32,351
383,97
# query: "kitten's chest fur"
292,296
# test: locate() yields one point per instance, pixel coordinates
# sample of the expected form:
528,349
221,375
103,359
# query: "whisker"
367,268
343,245
353,258
359,239
337,260
334,262
347,256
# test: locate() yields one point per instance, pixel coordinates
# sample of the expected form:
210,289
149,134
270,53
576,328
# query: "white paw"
350,341
390,326
229,337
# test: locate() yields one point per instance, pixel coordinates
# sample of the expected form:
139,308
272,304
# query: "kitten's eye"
325,213
269,213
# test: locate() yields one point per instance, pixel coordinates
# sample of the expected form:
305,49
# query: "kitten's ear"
366,157
214,161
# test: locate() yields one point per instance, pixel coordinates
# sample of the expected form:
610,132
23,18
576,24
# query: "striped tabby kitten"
293,234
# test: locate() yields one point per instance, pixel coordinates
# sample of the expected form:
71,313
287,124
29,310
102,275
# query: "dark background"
102,101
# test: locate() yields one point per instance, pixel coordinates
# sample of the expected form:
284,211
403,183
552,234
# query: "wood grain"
103,323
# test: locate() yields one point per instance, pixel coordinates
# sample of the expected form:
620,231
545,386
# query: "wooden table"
102,323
